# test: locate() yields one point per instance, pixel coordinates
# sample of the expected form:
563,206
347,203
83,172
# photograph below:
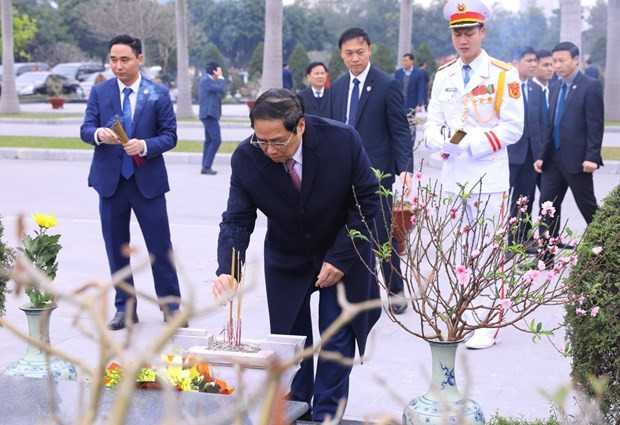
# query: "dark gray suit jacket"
533,128
581,126
320,108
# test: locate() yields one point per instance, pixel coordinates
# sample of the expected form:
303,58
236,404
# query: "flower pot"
402,226
57,102
443,403
34,363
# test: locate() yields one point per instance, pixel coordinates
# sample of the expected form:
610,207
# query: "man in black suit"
371,101
316,98
312,179
521,155
411,80
571,151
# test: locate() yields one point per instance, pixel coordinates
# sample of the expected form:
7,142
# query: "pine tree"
298,61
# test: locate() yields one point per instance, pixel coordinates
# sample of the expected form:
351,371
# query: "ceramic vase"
34,363
443,403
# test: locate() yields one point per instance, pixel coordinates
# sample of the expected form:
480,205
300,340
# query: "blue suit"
416,88
313,106
210,97
581,130
153,121
287,79
382,124
521,156
306,229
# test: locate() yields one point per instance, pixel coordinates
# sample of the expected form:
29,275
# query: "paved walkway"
507,377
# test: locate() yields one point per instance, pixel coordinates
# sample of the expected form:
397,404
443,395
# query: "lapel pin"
574,86
146,91
368,89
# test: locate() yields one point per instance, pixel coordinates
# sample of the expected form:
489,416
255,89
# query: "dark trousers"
213,140
523,182
554,183
332,379
152,216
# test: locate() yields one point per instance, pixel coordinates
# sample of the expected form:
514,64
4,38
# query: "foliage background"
6,262
595,341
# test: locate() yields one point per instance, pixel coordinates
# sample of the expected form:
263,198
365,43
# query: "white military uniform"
472,108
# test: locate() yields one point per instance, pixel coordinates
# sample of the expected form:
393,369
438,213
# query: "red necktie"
295,179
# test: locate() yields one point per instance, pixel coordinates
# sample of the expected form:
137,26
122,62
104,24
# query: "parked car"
23,67
95,78
78,70
31,83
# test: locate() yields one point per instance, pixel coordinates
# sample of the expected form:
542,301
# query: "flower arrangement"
42,250
183,373
460,272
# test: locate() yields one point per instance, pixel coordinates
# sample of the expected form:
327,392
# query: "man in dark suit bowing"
307,175
571,151
132,176
371,101
316,98
521,155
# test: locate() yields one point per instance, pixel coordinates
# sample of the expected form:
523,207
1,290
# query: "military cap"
466,13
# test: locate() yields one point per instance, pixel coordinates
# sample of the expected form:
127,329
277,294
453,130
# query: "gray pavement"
507,377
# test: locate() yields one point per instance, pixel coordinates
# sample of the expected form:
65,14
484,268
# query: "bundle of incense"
457,137
117,128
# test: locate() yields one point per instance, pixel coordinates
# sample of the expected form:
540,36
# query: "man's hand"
589,166
218,72
405,180
107,136
134,147
328,276
538,165
418,109
224,289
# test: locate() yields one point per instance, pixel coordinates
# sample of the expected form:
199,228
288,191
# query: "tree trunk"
272,55
404,30
612,67
184,98
570,22
9,102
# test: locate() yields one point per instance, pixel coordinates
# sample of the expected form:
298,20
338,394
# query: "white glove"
433,139
456,150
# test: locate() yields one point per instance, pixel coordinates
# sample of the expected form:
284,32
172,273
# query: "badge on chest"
483,94
448,95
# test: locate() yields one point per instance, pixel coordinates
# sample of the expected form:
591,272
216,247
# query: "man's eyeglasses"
263,144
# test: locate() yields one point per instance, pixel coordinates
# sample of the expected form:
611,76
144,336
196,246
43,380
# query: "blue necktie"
558,116
545,106
523,88
466,69
127,163
355,98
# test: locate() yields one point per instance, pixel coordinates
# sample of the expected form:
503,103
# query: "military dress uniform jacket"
473,109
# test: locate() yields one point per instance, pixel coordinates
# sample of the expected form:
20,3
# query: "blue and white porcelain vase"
34,363
442,403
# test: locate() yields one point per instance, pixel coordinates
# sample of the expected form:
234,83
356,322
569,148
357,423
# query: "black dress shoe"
208,171
168,316
563,245
121,320
399,303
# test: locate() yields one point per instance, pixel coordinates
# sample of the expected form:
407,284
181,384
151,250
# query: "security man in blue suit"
210,92
149,121
312,179
371,101
411,79
521,155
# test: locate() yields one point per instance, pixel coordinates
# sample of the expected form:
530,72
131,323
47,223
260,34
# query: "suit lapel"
366,91
553,101
276,175
571,91
310,161
142,96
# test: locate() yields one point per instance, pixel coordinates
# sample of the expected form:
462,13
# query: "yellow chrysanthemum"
44,220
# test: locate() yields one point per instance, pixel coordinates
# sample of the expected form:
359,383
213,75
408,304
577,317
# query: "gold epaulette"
505,66
445,65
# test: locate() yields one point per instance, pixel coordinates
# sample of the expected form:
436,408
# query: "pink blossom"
462,275
597,250
505,303
522,200
550,274
536,219
547,208
573,260
531,276
475,253
415,199
594,311
554,249
414,219
417,176
453,215
430,210
580,312
561,349
565,260
574,242
541,265
476,203
513,221
495,246
581,299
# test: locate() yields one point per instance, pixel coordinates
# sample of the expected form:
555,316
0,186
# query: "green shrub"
336,66
500,420
298,61
6,262
383,58
595,341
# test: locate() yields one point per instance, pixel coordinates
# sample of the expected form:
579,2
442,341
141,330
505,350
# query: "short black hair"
520,52
543,54
567,46
352,33
211,67
133,42
314,65
278,105
409,55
